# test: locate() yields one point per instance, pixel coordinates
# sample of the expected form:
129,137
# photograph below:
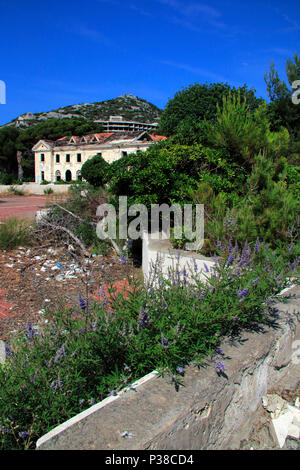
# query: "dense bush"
81,356
95,171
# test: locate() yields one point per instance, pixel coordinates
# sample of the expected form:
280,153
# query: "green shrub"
48,191
95,171
15,191
80,357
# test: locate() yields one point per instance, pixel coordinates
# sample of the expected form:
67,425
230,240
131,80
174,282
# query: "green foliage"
78,359
15,191
95,171
168,172
14,233
48,191
282,111
199,102
267,210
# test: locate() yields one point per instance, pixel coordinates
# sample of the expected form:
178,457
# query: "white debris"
9,265
285,418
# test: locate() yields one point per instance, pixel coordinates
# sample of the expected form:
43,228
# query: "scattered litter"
126,435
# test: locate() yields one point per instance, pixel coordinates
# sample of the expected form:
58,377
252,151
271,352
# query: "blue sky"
61,52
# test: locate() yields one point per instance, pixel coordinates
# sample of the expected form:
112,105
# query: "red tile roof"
158,137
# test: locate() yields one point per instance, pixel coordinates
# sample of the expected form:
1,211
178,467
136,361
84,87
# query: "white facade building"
62,159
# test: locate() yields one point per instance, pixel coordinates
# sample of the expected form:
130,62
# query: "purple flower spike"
243,293
220,367
82,303
164,341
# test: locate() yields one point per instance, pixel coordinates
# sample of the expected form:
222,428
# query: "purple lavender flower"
219,245
23,434
206,268
180,370
230,260
164,341
255,281
82,303
60,353
220,367
220,351
243,293
143,319
4,430
123,259
257,245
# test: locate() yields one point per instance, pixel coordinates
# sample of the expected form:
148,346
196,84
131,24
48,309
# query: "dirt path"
21,206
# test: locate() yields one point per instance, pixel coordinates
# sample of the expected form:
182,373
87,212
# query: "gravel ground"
42,277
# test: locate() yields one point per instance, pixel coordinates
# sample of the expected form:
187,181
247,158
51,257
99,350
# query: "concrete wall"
35,188
211,411
159,252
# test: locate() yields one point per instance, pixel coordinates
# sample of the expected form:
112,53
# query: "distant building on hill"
62,159
117,124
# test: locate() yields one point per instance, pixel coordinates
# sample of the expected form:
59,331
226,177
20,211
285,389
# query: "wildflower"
195,267
81,401
243,293
164,341
229,246
23,434
220,367
33,379
206,268
220,351
143,319
230,260
82,303
29,332
203,294
219,245
180,370
123,259
4,430
255,281
60,353
8,351
257,245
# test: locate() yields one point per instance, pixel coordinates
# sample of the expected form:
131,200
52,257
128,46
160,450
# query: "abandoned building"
62,159
117,124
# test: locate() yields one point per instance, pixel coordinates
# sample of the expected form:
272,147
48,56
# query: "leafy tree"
95,171
282,111
198,102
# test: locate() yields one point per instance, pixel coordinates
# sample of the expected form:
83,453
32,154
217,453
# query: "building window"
57,175
42,157
78,175
68,158
78,157
57,158
124,154
42,175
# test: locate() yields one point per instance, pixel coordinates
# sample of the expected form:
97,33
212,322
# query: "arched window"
68,175
78,175
57,175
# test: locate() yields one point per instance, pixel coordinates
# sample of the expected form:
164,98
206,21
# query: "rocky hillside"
129,106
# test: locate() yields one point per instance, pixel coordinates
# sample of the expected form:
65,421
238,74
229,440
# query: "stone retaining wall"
35,188
211,411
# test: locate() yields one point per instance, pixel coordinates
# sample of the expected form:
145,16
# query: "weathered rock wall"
211,411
